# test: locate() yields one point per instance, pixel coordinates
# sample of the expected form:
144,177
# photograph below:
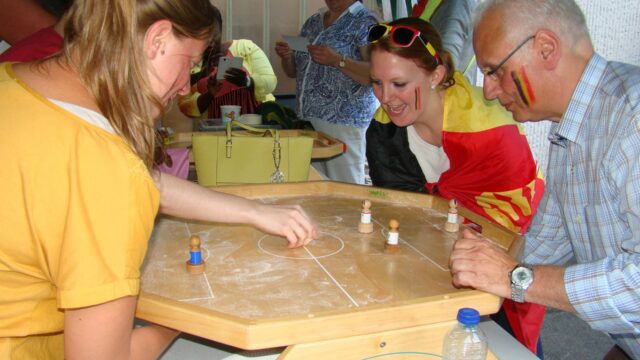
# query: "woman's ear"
437,76
156,37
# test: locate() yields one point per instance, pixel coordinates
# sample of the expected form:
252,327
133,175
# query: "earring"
433,86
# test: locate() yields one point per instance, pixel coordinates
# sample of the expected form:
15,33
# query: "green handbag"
251,156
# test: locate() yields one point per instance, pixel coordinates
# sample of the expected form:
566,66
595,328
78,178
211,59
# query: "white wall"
615,31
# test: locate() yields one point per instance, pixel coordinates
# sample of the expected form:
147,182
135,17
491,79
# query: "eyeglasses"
491,72
402,36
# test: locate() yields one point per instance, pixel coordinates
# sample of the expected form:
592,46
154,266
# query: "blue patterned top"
324,92
591,207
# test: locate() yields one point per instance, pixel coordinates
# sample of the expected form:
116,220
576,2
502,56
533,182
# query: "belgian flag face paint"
523,85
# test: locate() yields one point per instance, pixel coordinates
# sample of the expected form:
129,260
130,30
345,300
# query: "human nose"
490,87
385,94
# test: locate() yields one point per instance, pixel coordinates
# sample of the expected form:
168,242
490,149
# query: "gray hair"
524,17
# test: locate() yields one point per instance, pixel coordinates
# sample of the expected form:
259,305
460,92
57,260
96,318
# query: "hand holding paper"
297,43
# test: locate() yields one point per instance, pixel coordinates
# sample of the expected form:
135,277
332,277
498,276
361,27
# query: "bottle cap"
468,316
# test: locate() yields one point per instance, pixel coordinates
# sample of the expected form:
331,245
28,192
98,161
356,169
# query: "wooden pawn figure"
392,245
195,264
452,224
365,226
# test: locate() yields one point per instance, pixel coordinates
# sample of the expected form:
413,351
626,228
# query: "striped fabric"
395,9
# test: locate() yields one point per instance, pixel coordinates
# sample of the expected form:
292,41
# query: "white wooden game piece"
365,226
392,245
195,264
452,218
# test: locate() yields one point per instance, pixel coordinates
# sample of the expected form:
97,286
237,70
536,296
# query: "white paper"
297,43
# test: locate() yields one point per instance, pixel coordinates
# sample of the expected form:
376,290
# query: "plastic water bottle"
465,341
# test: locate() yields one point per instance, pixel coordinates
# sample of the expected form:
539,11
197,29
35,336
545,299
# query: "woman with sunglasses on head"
332,82
435,133
79,192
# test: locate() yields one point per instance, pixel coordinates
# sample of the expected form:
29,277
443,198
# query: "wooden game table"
342,294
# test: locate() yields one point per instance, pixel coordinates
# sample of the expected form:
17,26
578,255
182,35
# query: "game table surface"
256,293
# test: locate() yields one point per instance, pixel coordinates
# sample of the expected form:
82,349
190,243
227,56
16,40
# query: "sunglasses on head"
402,36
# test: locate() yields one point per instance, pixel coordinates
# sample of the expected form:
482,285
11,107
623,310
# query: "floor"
565,336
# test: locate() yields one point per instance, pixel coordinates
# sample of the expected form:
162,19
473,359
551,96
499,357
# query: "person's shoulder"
366,13
622,80
242,44
627,74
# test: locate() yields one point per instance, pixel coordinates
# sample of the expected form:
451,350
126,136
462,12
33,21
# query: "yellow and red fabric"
492,173
492,170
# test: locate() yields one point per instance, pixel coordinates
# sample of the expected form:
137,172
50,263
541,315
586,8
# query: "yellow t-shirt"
77,211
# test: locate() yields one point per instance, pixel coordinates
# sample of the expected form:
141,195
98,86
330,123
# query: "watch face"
522,276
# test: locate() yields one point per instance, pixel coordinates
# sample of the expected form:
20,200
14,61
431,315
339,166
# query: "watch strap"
517,293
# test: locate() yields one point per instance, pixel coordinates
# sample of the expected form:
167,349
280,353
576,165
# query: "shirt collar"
352,9
571,122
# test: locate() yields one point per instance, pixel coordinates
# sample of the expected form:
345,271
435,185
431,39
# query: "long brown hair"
103,41
417,51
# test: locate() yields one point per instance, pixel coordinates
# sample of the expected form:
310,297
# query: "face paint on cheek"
417,92
523,86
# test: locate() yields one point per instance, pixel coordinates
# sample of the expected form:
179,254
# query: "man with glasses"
539,62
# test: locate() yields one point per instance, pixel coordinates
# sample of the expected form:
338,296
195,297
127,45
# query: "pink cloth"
180,166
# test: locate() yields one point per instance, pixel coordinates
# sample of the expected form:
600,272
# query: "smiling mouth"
395,109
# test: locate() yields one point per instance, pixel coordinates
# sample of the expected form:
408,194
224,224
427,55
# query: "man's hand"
481,265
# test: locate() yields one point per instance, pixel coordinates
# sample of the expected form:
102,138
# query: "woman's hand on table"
289,221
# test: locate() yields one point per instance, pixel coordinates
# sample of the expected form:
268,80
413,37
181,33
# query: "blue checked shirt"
590,211
324,92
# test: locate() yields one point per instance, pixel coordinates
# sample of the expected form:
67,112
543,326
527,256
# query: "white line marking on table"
332,278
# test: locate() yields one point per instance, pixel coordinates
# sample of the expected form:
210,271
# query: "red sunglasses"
402,36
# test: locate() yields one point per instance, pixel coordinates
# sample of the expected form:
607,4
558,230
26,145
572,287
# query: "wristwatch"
521,278
343,62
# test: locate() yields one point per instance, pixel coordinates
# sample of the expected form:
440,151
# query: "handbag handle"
229,143
273,132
